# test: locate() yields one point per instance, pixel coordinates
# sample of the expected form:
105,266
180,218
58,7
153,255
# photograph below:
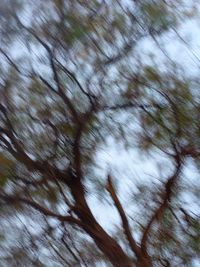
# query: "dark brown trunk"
144,263
104,242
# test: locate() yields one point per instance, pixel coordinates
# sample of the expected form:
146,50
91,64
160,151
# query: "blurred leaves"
157,16
74,75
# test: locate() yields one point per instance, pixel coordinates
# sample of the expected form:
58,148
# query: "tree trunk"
104,242
144,263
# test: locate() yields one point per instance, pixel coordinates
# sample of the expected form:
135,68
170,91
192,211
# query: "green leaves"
152,74
157,17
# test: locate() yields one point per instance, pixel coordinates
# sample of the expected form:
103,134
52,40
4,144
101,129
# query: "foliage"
76,75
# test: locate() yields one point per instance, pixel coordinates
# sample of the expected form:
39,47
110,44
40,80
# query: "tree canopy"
75,77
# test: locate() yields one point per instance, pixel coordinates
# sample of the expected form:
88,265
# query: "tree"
74,73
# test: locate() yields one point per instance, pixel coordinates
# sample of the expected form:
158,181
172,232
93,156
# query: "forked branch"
124,219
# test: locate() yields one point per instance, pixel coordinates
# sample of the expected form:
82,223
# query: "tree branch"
73,78
124,219
14,199
58,253
54,70
168,191
130,105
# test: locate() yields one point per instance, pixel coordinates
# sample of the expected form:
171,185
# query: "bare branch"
12,63
28,182
129,105
14,199
61,191
166,197
59,254
67,234
124,219
73,78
